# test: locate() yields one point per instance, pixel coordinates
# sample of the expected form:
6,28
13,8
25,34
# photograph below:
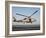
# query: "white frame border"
26,32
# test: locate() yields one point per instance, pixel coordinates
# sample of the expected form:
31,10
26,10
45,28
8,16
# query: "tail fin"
14,19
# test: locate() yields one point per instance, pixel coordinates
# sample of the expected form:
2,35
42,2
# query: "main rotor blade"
33,13
21,15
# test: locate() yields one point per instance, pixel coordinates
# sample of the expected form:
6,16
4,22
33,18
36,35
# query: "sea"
25,27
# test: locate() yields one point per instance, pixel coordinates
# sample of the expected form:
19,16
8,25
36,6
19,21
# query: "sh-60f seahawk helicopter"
27,19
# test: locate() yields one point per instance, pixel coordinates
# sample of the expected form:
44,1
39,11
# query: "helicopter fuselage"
27,21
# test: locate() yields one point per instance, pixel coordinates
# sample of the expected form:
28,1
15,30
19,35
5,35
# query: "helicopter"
27,19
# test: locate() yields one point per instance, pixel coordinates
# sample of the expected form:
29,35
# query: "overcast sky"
28,11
